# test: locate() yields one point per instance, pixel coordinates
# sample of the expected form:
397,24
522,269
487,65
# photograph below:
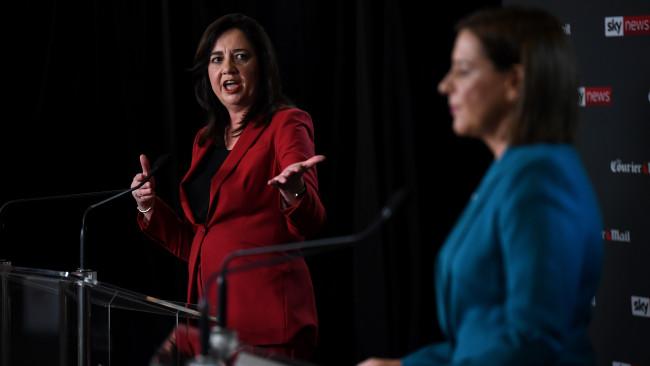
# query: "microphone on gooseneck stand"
221,342
118,192
83,299
161,161
83,296
115,192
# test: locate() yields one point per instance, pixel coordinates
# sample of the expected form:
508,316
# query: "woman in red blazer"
251,183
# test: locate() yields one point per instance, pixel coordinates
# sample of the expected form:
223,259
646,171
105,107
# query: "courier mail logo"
617,235
641,306
594,96
618,166
627,26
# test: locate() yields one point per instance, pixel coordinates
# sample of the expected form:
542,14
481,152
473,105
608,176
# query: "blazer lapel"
455,240
246,140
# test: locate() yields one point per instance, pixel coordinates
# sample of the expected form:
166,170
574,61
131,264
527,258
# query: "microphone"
160,162
12,202
222,339
83,299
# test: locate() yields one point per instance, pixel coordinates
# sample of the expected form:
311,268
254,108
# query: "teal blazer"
516,276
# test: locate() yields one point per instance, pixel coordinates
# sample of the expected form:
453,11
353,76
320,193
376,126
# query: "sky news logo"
641,306
617,235
594,96
619,363
627,26
619,167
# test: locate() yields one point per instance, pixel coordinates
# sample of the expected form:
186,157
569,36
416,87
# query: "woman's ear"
515,83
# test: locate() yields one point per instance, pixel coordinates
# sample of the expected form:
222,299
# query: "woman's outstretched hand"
290,182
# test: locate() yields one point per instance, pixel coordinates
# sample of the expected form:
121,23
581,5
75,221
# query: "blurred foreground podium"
69,318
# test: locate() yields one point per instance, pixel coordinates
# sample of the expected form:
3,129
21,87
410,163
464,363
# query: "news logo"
627,26
640,306
619,167
617,235
619,363
567,28
589,96
613,26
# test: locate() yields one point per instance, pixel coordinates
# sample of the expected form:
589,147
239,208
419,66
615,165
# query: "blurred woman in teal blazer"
515,278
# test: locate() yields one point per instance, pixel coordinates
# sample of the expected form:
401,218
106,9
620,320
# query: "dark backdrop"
91,84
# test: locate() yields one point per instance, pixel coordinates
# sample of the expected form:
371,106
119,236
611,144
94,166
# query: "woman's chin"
460,128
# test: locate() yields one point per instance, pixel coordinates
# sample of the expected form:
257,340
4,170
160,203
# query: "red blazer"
265,306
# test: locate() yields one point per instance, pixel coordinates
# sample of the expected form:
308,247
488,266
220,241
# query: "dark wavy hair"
533,38
268,98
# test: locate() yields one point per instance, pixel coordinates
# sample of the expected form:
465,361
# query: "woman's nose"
443,85
229,67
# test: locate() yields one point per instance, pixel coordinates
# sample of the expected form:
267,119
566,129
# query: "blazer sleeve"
168,230
166,227
543,256
294,142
